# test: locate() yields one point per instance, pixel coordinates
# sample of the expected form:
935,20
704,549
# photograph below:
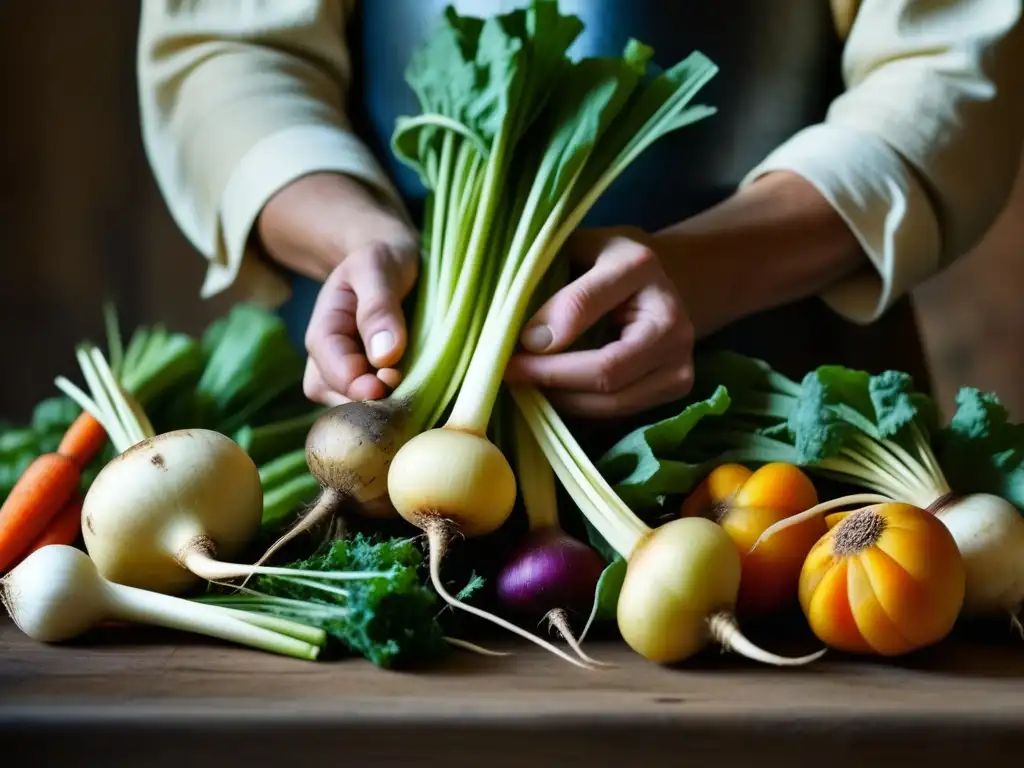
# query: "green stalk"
153,608
307,634
473,406
535,476
599,503
432,279
449,339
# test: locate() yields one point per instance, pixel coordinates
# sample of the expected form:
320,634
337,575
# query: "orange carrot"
84,440
64,528
39,494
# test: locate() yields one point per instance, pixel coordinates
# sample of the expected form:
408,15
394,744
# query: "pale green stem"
535,476
139,606
602,507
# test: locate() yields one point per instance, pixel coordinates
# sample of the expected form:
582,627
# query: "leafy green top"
391,621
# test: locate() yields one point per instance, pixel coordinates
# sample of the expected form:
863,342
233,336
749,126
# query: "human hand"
651,361
331,228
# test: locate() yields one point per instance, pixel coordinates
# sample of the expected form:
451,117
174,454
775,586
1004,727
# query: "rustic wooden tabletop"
158,699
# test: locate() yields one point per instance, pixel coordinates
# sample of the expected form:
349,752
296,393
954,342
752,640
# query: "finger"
380,284
665,385
331,336
316,389
620,271
391,377
640,349
368,387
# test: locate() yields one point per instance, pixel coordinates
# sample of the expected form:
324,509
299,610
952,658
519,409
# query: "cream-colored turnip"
164,513
158,513
55,594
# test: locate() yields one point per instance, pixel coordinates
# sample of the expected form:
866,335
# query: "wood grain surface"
128,697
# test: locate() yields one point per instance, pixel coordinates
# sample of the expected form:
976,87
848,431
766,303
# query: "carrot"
64,528
84,440
40,493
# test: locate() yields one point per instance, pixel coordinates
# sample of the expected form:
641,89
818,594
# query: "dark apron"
779,68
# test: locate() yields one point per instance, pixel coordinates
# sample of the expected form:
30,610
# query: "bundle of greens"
872,431
394,622
552,135
242,377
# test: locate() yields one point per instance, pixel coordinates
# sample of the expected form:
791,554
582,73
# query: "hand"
651,361
331,228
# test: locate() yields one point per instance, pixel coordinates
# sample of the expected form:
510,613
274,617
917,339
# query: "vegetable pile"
209,497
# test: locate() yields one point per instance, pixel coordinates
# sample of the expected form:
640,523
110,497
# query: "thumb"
575,308
380,283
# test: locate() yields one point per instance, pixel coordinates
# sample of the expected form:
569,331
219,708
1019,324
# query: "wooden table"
159,699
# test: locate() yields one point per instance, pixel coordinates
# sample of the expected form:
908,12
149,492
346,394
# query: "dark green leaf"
833,406
606,596
393,621
981,451
55,414
18,441
636,465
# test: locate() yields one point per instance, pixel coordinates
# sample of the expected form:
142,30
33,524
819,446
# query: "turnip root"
167,507
682,579
989,533
549,572
56,594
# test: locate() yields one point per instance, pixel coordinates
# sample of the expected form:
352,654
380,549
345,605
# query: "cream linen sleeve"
919,154
238,98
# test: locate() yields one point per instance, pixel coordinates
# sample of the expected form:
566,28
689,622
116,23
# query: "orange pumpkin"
886,579
745,504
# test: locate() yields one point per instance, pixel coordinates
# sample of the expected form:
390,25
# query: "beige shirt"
240,97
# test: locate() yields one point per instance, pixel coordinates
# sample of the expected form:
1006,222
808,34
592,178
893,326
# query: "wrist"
312,224
771,243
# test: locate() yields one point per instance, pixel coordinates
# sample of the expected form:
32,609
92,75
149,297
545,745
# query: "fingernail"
537,338
381,343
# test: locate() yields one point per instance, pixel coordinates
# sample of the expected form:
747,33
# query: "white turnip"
682,578
55,594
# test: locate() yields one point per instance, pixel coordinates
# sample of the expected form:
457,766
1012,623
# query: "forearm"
237,101
773,242
312,224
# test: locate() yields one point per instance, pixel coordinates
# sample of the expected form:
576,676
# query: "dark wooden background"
81,220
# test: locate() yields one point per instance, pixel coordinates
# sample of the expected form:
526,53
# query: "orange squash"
745,504
886,579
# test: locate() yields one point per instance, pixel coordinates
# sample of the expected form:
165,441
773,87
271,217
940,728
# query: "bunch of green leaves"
394,621
876,431
241,377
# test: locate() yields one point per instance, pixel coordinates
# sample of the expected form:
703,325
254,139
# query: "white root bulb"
989,533
176,495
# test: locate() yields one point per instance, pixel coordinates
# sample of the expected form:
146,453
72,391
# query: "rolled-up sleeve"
238,98
920,152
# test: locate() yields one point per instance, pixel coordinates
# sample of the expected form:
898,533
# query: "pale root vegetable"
989,533
682,579
168,507
56,594
158,515
348,451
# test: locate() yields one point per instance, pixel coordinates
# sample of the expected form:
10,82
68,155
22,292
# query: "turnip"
164,511
565,131
56,594
682,579
990,536
550,572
